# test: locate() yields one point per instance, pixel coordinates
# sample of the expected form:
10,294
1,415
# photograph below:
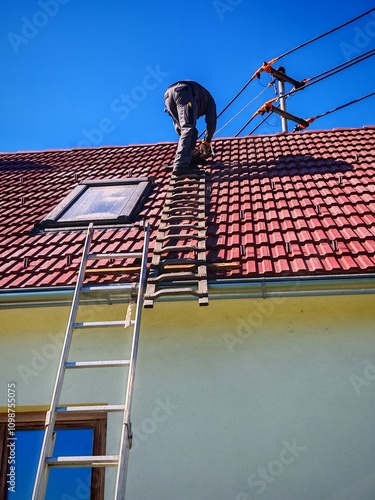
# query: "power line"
265,65
333,71
259,124
243,109
250,120
312,81
310,120
325,34
236,96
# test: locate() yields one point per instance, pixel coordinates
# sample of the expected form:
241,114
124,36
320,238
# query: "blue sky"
79,73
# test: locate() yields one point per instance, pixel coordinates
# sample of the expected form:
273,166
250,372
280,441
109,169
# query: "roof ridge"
125,146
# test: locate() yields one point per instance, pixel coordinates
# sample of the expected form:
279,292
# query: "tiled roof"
277,205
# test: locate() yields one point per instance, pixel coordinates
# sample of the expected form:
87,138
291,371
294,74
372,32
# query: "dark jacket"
206,106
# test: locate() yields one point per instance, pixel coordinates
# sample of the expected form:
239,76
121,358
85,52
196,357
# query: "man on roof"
186,101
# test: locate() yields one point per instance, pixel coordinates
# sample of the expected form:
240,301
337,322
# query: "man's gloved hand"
205,149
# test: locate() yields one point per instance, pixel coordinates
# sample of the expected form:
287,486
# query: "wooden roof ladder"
120,461
179,264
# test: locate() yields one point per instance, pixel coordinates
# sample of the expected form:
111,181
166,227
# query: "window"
75,435
111,201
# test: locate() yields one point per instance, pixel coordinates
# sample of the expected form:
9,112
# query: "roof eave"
265,287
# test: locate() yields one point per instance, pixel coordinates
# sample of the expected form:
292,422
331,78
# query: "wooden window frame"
35,420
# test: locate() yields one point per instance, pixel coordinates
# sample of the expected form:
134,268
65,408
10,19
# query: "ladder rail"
46,458
126,435
40,484
181,237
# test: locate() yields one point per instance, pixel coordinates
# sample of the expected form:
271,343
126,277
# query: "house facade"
266,393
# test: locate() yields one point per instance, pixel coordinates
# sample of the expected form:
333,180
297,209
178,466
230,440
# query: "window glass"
111,201
96,203
63,484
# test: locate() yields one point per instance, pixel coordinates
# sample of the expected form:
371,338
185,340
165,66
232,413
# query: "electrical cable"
243,109
260,123
310,120
340,67
326,74
235,97
290,52
250,120
324,34
248,123
276,122
333,71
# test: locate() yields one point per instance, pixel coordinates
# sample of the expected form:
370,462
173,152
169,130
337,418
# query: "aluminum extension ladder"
46,459
182,220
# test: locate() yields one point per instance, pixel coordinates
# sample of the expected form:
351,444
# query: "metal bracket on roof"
264,291
268,107
282,76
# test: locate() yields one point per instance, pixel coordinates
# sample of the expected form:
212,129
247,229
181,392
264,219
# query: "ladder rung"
176,248
191,179
149,300
97,364
181,188
174,291
176,196
181,262
102,405
174,210
183,203
121,255
106,288
179,236
167,217
112,270
83,461
183,275
62,409
182,226
100,324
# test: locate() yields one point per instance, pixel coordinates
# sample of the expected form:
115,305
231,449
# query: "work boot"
187,170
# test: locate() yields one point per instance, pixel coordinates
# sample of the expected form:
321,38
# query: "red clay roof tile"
284,204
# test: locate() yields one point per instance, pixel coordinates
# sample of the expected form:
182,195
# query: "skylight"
109,201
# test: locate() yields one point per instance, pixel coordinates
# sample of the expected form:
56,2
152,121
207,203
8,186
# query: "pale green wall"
223,392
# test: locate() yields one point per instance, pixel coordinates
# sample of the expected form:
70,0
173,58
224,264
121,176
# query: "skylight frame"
126,215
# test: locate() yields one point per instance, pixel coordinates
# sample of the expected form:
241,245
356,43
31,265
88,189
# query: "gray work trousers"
182,107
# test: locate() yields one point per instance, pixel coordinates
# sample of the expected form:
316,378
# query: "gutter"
297,286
